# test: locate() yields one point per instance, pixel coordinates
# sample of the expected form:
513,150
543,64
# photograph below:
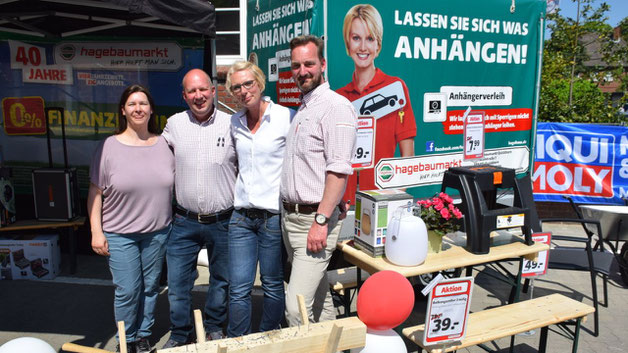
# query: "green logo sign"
385,172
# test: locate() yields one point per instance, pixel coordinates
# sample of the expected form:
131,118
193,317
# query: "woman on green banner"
373,93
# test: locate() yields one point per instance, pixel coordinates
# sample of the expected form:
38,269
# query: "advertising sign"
427,170
448,310
416,67
586,161
474,135
538,266
364,143
86,80
24,116
271,25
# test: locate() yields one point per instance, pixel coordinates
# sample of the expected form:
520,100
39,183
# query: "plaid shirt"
321,139
205,160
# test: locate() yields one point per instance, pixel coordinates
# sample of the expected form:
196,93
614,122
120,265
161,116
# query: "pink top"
136,182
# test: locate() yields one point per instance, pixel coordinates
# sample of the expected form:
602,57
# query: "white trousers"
309,270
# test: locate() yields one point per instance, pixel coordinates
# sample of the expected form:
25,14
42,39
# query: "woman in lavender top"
129,205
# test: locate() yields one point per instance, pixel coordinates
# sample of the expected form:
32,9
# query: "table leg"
576,335
358,273
72,236
543,340
516,290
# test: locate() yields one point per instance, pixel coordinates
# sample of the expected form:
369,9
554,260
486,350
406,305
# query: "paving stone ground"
79,308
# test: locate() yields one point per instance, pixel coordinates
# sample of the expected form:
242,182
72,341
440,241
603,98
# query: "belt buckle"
252,213
198,218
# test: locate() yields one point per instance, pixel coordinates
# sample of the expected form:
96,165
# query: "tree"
624,29
570,76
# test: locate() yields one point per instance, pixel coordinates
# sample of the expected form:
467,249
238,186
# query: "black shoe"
142,345
217,335
172,343
130,347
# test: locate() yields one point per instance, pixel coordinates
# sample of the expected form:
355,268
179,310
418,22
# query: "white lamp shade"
406,239
383,341
27,344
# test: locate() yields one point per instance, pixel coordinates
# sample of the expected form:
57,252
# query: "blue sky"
618,11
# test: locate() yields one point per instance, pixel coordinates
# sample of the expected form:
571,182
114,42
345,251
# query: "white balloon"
383,341
27,344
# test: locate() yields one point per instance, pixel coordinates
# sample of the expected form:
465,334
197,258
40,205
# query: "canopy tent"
130,18
144,19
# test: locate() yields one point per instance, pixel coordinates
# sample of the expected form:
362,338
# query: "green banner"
271,25
451,83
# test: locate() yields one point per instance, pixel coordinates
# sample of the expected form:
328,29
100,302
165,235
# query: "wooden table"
452,257
32,224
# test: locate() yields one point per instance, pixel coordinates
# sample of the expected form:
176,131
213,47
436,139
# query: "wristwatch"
321,219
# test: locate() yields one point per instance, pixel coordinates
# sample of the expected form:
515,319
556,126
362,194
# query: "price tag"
447,312
538,267
474,135
364,143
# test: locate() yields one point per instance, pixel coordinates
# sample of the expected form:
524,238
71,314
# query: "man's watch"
321,219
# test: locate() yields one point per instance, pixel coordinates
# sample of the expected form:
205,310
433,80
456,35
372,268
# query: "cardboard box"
373,211
30,257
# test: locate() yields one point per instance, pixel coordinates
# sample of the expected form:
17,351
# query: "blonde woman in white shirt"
259,133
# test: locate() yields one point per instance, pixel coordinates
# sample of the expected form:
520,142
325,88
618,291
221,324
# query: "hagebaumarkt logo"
67,52
385,172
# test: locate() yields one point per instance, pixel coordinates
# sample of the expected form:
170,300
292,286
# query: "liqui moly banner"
586,161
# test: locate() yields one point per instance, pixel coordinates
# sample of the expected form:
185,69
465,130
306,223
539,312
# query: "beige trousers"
309,270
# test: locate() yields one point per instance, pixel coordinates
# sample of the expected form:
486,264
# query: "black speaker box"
56,194
55,190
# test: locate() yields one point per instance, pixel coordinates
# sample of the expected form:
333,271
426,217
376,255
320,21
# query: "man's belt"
300,208
205,218
255,213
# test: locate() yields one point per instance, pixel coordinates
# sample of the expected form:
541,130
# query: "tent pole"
209,63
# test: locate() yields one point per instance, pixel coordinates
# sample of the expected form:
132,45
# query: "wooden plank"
508,320
31,224
453,257
344,278
287,340
122,337
334,338
198,325
73,347
305,318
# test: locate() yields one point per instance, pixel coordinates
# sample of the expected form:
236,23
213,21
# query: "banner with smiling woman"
418,69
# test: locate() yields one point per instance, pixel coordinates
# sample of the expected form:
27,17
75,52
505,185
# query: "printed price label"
364,143
448,309
474,135
539,267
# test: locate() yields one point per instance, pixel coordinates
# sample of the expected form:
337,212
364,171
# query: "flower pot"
434,242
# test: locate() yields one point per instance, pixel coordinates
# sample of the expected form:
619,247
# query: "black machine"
55,190
480,188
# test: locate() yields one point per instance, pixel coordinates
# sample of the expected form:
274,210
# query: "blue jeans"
186,240
135,263
252,239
